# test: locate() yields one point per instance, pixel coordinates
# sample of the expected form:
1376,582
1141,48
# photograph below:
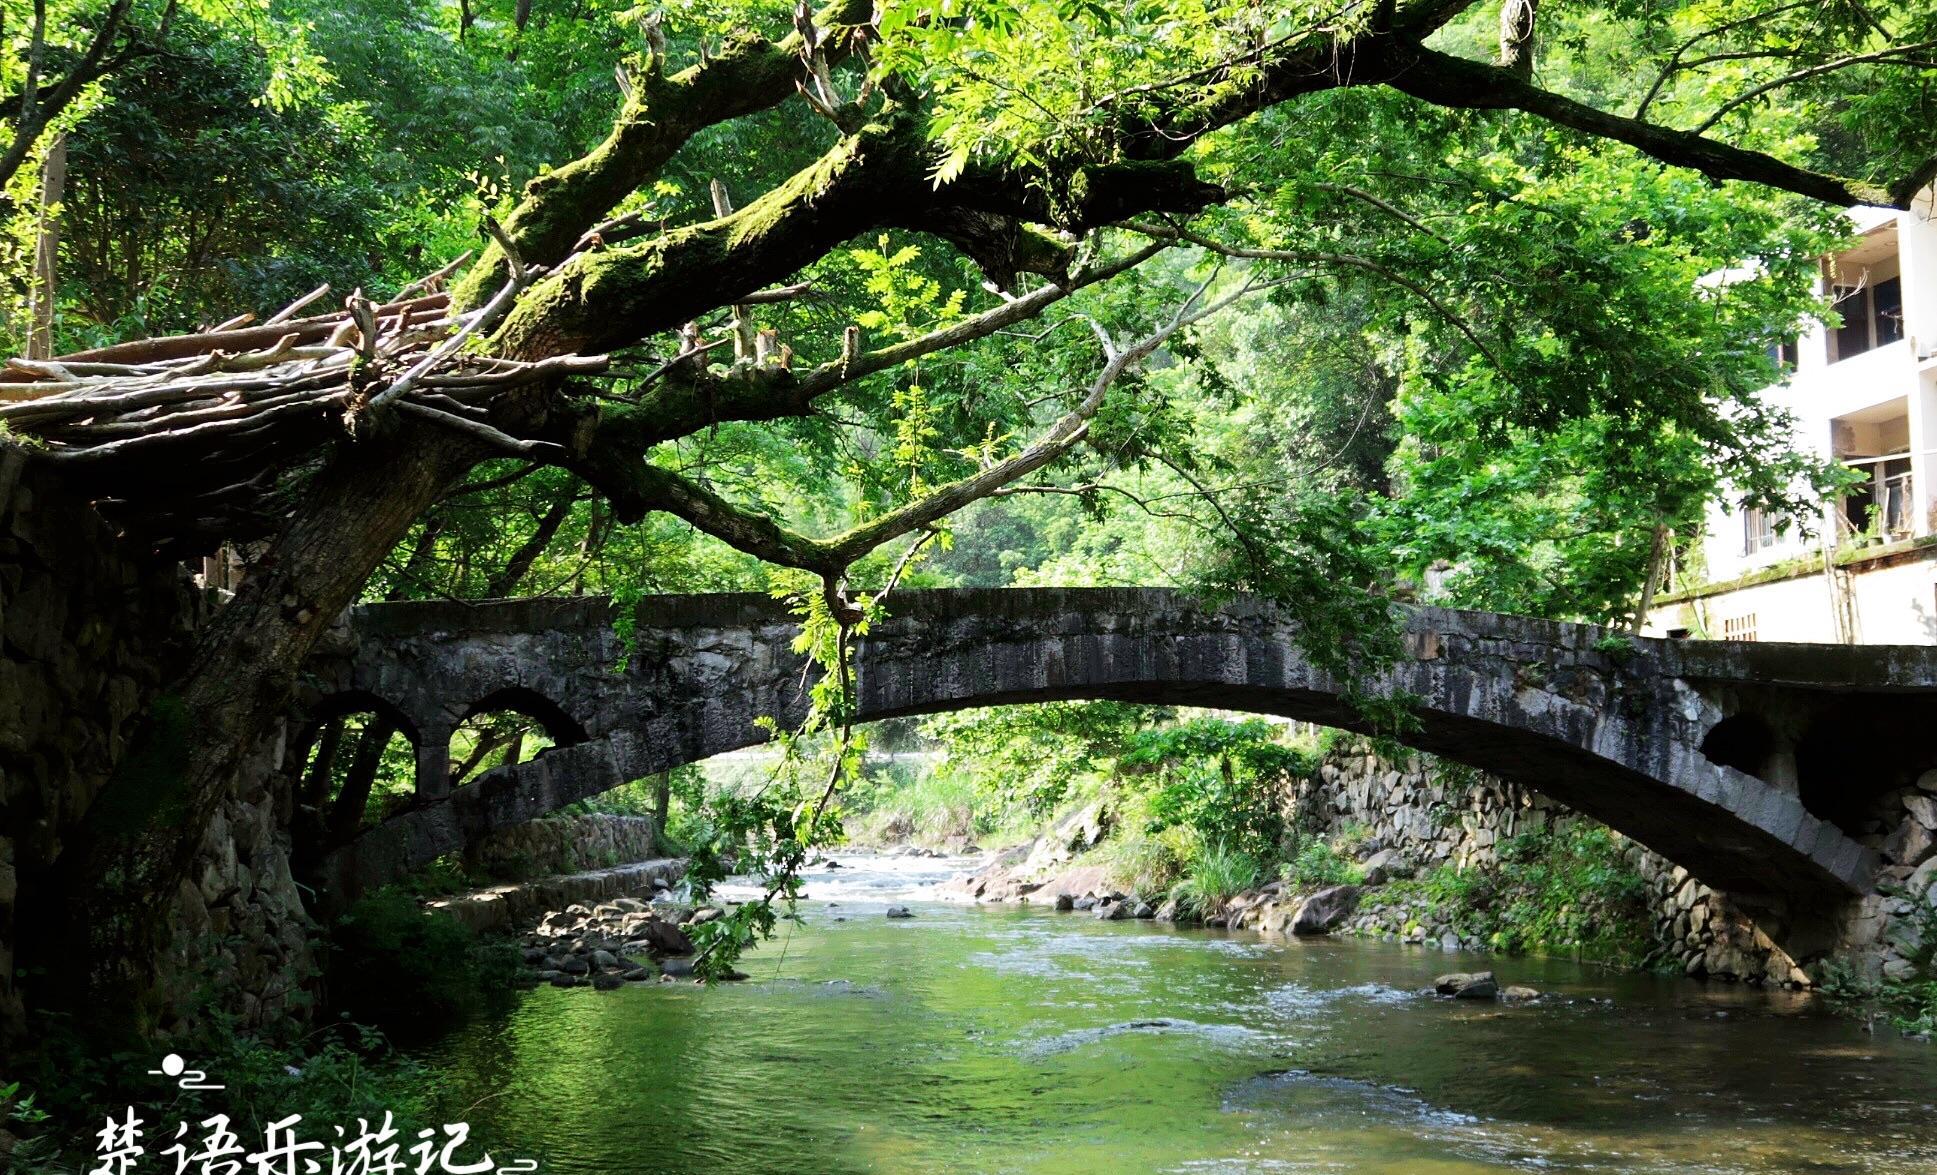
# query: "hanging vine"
774,832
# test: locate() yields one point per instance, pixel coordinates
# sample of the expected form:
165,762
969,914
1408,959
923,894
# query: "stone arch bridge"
1741,762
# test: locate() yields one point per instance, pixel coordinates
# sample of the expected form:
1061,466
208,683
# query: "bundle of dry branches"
184,436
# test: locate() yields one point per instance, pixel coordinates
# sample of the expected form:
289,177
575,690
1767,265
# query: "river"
1015,1039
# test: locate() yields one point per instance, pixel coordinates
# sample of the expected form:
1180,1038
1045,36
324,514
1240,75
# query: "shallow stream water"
1015,1039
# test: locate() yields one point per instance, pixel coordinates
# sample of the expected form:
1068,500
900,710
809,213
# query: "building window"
1872,314
1881,507
1782,353
1758,530
1739,628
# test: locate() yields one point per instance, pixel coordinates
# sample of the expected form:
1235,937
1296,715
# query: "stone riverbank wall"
565,844
1426,813
90,629
1423,814
508,907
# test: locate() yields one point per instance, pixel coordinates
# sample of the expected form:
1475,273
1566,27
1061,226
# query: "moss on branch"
748,74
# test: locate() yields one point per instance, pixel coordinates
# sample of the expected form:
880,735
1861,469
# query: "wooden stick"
485,432
432,279
743,337
778,293
424,309
493,310
101,453
174,421
288,312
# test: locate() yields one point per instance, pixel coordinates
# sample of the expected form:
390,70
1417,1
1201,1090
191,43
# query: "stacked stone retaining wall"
565,844
91,627
501,907
1425,814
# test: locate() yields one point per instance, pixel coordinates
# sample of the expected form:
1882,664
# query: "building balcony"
1851,385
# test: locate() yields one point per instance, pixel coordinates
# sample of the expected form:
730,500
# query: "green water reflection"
1016,1040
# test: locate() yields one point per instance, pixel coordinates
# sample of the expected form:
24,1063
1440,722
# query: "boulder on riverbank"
1043,866
1322,911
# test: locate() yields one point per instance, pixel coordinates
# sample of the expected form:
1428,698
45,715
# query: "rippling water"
981,1039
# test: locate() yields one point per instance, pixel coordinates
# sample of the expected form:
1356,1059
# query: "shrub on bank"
395,965
1911,1004
1215,876
1149,863
1568,891
1318,864
1221,778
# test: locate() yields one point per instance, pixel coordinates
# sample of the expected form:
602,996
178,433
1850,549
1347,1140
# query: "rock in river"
1465,985
665,938
899,912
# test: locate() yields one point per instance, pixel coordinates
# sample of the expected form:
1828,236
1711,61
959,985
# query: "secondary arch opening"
507,727
358,768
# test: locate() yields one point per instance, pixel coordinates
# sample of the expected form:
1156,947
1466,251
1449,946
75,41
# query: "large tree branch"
607,298
642,487
608,446
1446,80
683,404
661,114
1325,58
880,175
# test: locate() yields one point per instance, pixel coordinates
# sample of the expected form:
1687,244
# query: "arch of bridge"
1611,729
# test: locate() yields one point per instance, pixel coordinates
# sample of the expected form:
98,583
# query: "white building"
1864,394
